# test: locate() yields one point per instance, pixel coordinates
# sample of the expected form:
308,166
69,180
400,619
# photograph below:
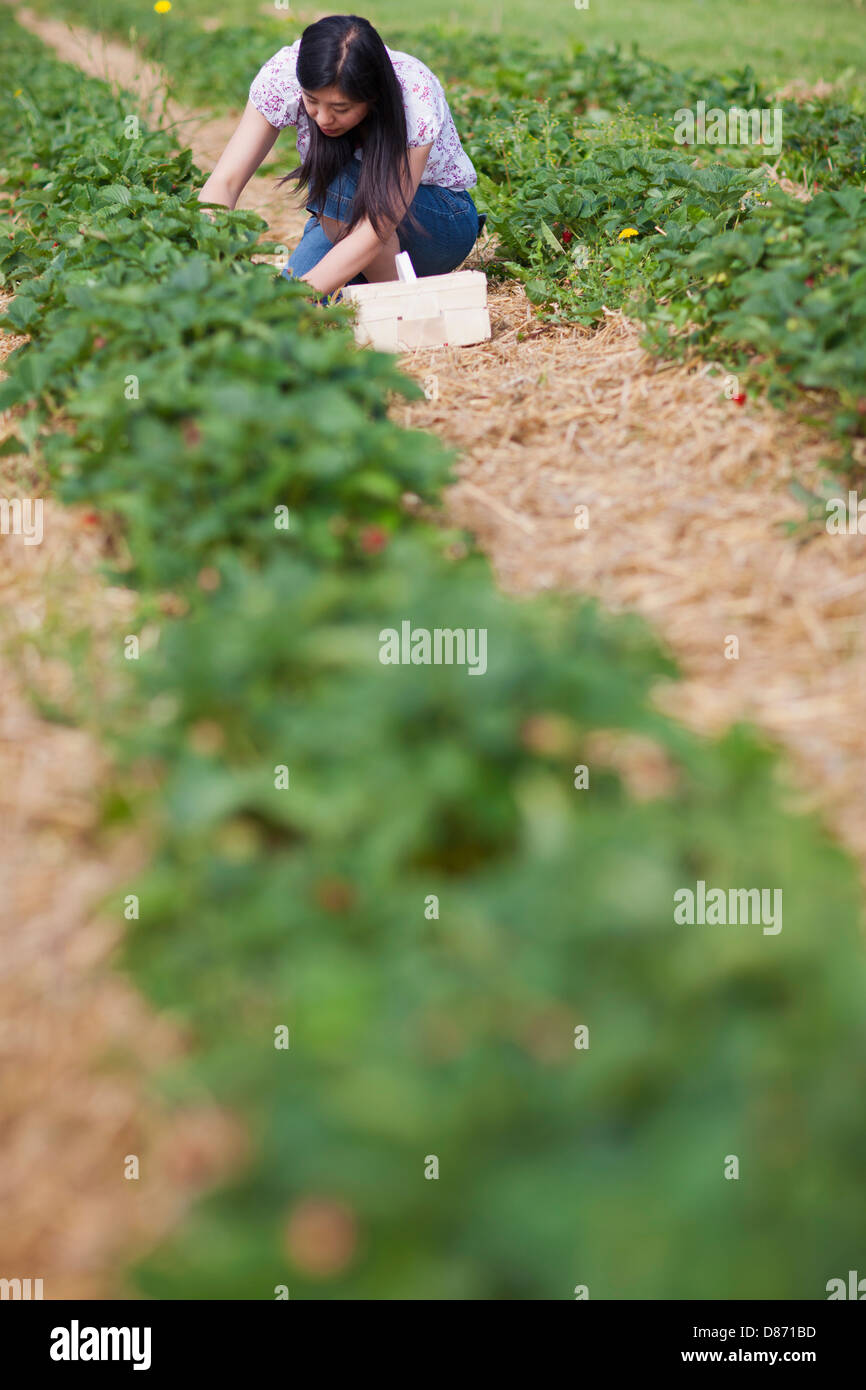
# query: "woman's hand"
363,249
346,259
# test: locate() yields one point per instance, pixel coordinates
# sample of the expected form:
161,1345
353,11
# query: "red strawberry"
335,894
740,399
373,539
567,235
810,282
90,519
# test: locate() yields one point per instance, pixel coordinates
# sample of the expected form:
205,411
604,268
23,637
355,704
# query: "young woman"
381,160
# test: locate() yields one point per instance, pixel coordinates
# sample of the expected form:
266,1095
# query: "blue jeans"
449,221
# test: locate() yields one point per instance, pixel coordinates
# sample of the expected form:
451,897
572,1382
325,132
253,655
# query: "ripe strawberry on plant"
335,894
373,539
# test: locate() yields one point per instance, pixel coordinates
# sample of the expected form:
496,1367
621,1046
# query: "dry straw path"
686,494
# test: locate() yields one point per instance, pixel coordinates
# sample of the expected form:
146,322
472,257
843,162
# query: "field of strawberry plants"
241,450
576,146
604,208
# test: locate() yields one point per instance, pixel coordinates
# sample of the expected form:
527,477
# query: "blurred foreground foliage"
454,1036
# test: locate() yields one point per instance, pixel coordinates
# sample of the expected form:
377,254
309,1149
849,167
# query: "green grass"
780,38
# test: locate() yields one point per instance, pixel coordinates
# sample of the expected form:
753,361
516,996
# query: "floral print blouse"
276,93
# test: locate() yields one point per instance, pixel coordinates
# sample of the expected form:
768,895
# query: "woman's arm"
355,252
240,159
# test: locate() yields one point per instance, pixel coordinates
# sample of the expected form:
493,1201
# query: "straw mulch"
801,90
688,496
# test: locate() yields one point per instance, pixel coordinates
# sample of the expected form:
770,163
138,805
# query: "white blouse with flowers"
276,93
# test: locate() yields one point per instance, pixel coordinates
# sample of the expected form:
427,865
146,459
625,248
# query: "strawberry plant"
153,322
453,1034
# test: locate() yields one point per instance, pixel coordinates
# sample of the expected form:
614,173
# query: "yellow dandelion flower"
627,231
18,92
162,6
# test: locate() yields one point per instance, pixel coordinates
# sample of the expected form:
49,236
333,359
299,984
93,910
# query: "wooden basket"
429,312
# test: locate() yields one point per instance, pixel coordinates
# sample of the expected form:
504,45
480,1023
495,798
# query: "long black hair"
345,51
